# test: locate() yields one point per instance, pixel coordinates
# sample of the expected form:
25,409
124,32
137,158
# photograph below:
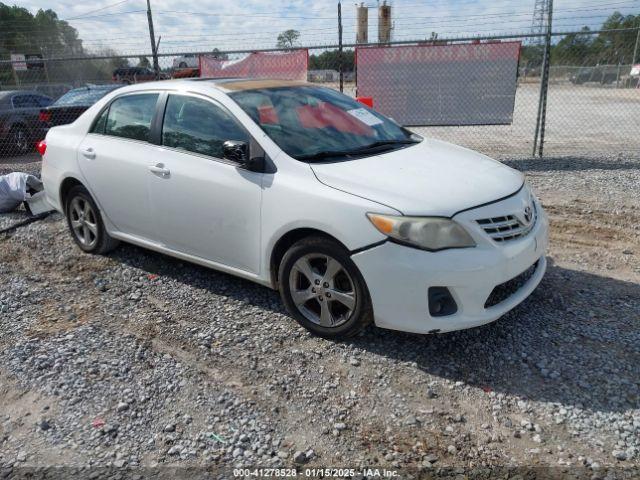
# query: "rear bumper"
398,278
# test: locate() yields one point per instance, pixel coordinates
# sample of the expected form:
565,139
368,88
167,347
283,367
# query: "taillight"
45,116
41,147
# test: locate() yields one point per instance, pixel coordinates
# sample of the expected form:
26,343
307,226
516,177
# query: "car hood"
430,178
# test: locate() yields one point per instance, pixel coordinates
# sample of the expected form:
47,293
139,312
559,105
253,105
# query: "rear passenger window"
130,116
199,126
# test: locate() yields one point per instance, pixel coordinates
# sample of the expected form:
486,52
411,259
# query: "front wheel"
85,222
323,289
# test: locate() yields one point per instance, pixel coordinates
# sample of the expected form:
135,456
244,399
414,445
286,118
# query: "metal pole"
634,59
543,118
154,52
544,85
340,63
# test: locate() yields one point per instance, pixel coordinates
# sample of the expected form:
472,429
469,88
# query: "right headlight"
428,233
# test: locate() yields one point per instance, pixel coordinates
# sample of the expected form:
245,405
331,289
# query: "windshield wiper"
372,147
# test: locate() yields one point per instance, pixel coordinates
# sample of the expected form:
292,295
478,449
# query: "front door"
202,204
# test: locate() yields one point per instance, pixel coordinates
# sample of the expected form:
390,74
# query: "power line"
96,10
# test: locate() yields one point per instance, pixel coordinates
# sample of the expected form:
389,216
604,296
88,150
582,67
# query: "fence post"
340,62
544,86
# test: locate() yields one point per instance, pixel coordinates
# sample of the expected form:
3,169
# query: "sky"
231,25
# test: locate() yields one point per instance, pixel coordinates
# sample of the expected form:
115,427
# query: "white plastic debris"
16,188
38,203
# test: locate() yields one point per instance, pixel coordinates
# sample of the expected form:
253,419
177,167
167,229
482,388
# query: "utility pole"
154,51
634,59
544,84
340,63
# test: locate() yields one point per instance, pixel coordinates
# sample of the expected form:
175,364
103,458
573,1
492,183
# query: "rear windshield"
83,96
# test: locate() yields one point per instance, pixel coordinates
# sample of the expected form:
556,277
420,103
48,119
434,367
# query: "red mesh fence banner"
280,65
461,84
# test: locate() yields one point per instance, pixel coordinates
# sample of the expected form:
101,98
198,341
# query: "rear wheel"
323,289
85,222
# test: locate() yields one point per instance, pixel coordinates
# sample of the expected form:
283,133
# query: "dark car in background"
129,75
603,74
73,104
20,125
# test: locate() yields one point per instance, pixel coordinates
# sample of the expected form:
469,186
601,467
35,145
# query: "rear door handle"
159,170
89,153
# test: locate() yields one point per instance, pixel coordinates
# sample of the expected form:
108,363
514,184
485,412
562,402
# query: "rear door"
202,204
114,158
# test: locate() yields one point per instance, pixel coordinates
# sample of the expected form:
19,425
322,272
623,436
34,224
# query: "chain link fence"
592,90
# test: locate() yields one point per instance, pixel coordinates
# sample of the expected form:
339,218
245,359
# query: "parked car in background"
186,61
73,104
53,90
20,126
129,75
353,218
604,74
186,73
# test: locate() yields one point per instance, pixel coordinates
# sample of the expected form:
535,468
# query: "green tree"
329,60
288,39
616,47
574,49
44,33
585,48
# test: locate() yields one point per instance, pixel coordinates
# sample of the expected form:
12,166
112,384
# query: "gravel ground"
138,360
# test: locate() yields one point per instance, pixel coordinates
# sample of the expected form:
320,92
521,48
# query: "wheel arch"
286,240
65,186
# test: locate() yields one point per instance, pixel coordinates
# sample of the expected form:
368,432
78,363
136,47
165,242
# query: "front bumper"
398,277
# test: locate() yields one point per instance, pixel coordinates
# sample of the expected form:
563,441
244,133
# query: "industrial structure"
362,27
539,21
384,23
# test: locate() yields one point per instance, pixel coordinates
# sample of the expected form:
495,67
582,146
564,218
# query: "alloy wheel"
20,140
322,290
83,222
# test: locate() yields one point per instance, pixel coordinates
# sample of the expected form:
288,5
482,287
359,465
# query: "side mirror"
236,151
239,152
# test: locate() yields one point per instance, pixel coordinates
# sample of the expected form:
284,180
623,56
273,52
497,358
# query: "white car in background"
353,218
186,61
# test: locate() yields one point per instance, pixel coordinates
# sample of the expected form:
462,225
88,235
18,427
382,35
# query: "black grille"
503,291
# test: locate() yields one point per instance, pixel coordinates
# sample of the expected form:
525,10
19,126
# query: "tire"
85,222
334,306
19,140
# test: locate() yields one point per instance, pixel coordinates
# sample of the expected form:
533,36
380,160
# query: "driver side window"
197,125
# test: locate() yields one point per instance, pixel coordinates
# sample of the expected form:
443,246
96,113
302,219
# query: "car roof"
108,86
6,93
225,85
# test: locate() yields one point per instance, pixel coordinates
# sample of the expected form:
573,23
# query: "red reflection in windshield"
326,115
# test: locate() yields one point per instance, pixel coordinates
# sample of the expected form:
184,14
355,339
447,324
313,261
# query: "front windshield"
83,96
308,121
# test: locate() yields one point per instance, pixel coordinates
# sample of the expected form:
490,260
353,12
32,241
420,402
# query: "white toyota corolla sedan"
353,218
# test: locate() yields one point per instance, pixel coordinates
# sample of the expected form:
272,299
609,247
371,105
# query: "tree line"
588,48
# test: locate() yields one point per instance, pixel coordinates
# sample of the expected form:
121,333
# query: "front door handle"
159,170
89,153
